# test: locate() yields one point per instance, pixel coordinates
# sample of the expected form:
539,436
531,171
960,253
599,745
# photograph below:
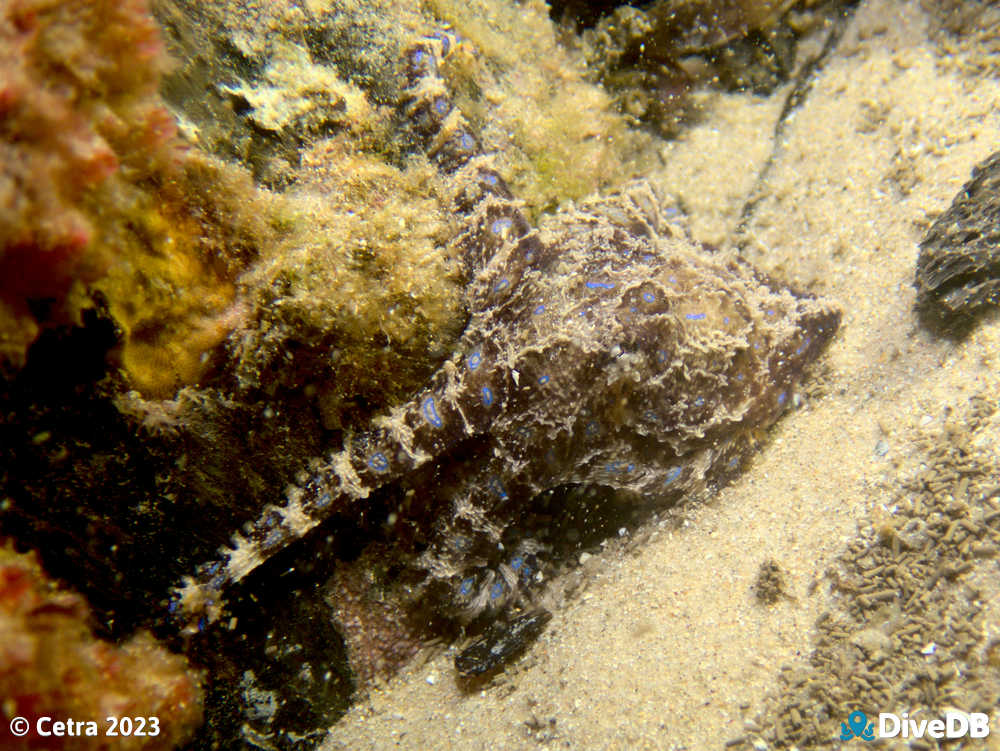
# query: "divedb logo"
953,724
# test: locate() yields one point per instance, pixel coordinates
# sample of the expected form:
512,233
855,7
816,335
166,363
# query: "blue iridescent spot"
600,285
725,319
441,105
543,379
699,401
497,591
211,570
739,376
466,142
781,398
770,312
516,562
487,396
324,500
465,589
673,280
733,462
488,178
661,355
633,310
497,487
649,297
378,462
474,360
172,607
501,225
445,42
417,57
539,310
694,316
672,475
431,413
502,284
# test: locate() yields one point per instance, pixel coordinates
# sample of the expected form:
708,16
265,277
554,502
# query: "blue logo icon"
857,727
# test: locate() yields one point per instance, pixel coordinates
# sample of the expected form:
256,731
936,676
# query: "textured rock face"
958,270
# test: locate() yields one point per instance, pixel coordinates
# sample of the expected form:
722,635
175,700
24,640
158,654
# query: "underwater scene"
499,374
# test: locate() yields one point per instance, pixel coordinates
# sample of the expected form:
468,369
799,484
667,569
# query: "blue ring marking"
672,475
630,467
650,415
324,500
781,398
725,319
649,297
593,428
501,225
465,588
694,316
529,256
543,379
770,312
502,284
497,591
733,462
443,38
418,56
539,310
172,607
633,310
516,562
466,141
648,258
673,280
487,395
739,376
202,624
429,409
378,462
489,179
600,285
474,360
497,487
699,401
441,105
661,355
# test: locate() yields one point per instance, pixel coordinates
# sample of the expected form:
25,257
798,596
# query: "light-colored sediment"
667,647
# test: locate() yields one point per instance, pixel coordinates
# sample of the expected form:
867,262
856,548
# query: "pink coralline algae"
51,665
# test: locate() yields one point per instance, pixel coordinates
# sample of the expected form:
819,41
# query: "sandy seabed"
666,646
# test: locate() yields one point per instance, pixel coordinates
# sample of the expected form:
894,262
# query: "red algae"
52,666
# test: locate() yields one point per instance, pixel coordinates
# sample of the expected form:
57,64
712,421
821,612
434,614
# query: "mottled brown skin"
608,349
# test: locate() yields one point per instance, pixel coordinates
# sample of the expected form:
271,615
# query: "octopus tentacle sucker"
608,349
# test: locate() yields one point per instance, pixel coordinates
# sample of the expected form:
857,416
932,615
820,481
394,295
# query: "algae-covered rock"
51,665
98,194
958,269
